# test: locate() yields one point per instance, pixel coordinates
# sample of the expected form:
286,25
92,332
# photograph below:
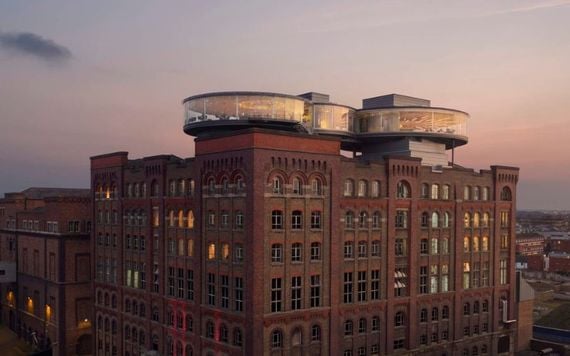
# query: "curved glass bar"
330,117
237,106
412,120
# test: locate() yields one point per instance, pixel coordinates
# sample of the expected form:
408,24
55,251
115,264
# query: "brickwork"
285,256
46,232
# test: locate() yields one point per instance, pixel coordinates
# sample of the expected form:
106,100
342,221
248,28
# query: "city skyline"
87,78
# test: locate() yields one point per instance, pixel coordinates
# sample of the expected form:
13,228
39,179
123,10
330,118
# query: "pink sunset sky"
83,78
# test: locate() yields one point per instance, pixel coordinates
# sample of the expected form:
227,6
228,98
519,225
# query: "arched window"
506,194
402,190
467,192
466,308
297,186
209,329
190,245
297,220
181,249
224,333
475,243
434,313
238,337
485,244
485,220
375,189
434,220
445,192
445,312
181,218
211,251
467,220
466,244
425,191
444,246
363,219
476,219
189,323
445,220
276,339
171,221
485,193
277,219
348,188
362,188
423,315
225,186
211,185
297,337
315,333
190,219
348,327
435,191
317,186
239,184
277,185
425,219
349,219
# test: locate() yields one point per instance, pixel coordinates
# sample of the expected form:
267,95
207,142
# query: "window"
485,306
375,248
276,339
434,220
348,249
476,307
362,325
210,330
433,279
467,220
361,291
445,312
277,219
476,193
239,184
445,192
399,319
347,287
211,289
276,253
296,292
238,339
504,241
238,294
317,187
190,284
297,186
376,220
434,246
401,218
315,291
211,251
402,190
485,244
349,220
434,314
506,194
435,191
466,309
348,188
297,220
363,219
444,278
362,188
466,244
425,191
475,243
315,251
466,275
239,219
277,185
423,279
503,272
375,323
238,253
211,218
425,219
225,291
348,328
374,284
315,219
375,189
362,249
423,315
504,219
225,219
400,247
423,246
445,223
485,275
296,252
315,333
276,292
467,193
476,220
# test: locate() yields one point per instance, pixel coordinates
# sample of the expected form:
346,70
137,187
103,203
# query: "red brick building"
45,232
270,242
530,244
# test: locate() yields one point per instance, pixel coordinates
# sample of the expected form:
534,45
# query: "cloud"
28,43
533,7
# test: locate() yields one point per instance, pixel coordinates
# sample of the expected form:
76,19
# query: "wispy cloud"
27,43
528,8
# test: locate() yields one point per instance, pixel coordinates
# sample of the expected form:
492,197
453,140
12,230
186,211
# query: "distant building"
529,244
270,242
44,234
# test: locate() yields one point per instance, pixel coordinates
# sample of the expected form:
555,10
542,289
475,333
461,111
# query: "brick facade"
46,233
271,243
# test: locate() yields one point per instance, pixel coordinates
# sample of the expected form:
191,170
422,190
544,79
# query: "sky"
82,78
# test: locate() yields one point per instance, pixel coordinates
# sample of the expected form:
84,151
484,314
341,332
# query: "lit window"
211,251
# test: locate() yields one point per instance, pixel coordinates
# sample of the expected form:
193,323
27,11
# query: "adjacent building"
271,241
44,240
